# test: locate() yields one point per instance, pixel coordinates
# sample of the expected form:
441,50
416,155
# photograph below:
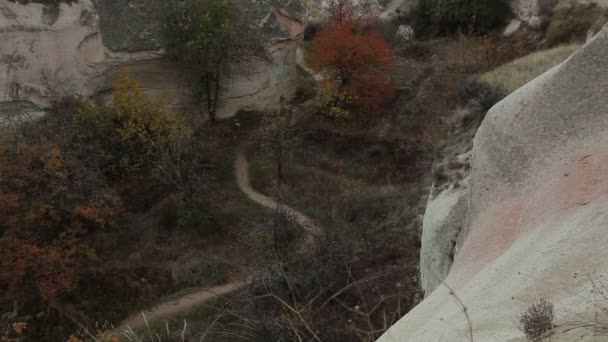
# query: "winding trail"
190,301
180,305
241,171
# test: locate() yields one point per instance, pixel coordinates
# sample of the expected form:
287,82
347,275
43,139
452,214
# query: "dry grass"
571,20
537,320
513,75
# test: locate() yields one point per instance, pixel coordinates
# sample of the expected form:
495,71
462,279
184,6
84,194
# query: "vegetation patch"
571,22
132,203
208,37
447,16
110,207
513,75
538,320
355,60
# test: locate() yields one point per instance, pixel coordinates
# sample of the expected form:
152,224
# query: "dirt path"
187,302
180,305
241,170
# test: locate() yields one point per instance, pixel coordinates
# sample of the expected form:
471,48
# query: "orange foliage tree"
353,57
48,204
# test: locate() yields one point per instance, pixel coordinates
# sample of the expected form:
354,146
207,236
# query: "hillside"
228,170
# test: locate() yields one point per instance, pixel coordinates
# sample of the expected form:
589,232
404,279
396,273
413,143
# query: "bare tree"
182,168
279,137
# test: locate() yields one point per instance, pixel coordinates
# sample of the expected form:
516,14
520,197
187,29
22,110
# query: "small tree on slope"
208,37
354,58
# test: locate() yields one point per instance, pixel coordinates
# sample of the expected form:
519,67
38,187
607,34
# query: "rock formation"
532,11
534,222
76,47
535,13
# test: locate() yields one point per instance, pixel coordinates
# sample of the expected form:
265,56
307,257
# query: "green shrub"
571,22
467,15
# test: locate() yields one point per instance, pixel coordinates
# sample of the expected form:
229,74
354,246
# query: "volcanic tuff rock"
537,212
77,48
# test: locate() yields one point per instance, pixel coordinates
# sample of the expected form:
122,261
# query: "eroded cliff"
76,48
536,213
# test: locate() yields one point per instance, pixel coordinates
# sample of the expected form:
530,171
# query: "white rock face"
513,27
35,47
537,214
405,33
51,51
404,7
444,220
532,11
442,226
535,12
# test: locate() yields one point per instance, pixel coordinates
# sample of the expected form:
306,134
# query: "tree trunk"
214,95
280,172
210,98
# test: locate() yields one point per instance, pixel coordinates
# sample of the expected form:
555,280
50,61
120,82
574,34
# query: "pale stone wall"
536,220
77,48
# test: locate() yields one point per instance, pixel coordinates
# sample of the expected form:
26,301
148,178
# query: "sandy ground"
180,305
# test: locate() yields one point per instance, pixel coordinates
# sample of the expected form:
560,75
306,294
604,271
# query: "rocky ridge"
533,221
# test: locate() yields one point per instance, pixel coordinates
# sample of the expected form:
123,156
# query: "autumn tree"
354,59
123,139
57,181
49,204
65,179
208,37
143,125
279,137
184,170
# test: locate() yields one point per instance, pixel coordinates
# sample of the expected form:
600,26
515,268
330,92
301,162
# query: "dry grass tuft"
513,75
537,320
571,21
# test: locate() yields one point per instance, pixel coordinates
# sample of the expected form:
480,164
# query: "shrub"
482,93
142,125
278,135
571,22
311,31
537,320
467,15
546,6
333,101
50,204
416,50
513,75
124,139
358,280
354,58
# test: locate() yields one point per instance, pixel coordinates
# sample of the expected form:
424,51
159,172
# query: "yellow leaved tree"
142,124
